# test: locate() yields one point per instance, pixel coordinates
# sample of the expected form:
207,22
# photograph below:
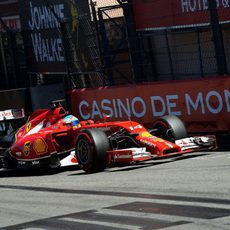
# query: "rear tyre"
170,128
91,150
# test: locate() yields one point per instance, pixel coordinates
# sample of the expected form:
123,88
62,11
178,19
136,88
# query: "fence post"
199,51
133,42
105,48
169,55
4,62
12,47
96,26
218,38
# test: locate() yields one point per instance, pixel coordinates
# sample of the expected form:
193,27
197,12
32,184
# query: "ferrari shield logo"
28,127
26,148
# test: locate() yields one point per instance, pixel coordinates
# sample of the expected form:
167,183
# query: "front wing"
187,145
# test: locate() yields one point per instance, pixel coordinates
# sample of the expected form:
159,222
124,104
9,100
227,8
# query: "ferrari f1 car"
50,135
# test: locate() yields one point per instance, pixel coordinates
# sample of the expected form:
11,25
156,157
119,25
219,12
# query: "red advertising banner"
12,22
150,14
204,104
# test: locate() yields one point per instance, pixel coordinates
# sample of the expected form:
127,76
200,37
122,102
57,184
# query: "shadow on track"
144,164
35,172
78,171
154,162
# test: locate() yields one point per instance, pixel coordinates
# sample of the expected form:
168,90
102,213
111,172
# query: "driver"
70,119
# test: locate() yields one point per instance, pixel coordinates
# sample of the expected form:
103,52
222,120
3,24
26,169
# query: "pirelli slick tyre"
170,128
91,150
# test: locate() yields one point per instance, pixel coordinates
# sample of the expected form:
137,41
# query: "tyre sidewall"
98,145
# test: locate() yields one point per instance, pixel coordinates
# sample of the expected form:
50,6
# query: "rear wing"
12,114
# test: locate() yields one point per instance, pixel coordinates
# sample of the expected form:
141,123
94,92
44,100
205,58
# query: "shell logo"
40,147
28,127
146,134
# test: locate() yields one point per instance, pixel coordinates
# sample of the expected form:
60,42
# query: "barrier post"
217,38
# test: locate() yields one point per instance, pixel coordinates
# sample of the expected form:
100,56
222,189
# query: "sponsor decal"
21,162
147,143
26,149
146,134
18,154
135,127
7,114
159,140
35,162
40,146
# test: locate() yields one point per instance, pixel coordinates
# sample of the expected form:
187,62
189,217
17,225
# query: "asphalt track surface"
190,192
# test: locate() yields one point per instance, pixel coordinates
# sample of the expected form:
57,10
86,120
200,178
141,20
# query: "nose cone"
165,148
30,149
16,151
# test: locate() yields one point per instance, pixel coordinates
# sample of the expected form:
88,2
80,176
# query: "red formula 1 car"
50,135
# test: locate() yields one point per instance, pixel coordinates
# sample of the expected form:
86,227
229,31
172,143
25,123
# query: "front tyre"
91,150
170,128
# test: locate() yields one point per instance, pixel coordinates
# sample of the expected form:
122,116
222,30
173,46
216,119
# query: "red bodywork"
47,134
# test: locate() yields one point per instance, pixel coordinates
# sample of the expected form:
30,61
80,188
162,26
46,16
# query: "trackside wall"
203,104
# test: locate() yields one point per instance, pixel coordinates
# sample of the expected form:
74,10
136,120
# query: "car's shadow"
35,172
155,162
144,164
77,171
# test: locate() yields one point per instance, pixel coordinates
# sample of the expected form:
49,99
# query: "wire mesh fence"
97,43
12,60
226,36
60,38
181,40
114,44
178,54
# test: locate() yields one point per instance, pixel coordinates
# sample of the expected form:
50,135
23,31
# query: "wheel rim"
83,151
165,130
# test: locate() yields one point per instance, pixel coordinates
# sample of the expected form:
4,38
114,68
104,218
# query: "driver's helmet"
70,119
